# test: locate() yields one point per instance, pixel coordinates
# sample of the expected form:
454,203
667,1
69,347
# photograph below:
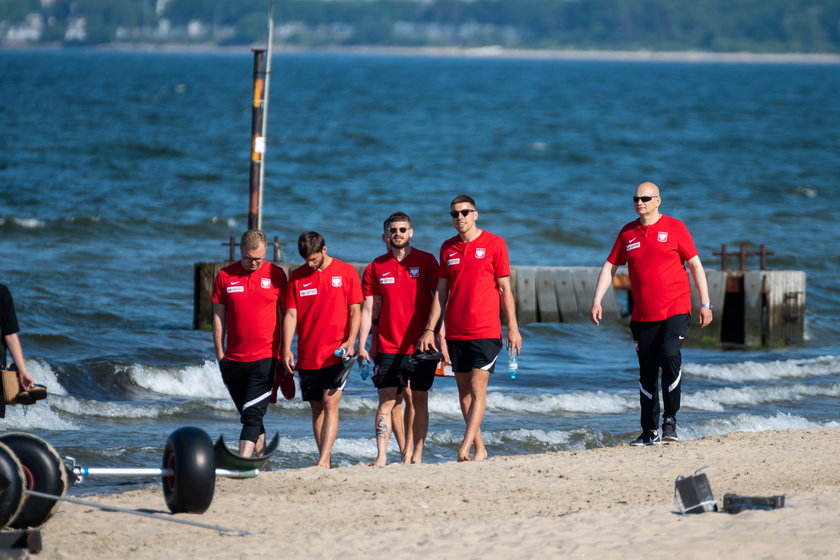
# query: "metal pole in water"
264,129
257,140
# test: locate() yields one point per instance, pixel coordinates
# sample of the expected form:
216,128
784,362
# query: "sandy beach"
609,502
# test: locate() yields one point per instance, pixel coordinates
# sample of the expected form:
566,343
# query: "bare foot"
379,462
480,455
324,463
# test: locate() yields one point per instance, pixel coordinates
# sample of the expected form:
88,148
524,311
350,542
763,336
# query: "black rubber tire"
189,453
43,471
12,485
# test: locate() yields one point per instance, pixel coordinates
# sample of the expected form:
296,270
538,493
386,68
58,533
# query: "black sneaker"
647,438
669,429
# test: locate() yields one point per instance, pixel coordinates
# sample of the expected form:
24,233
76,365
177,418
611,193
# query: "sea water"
119,171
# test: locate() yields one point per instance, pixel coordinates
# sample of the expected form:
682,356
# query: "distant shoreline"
491,52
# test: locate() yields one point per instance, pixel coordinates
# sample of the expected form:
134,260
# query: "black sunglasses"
643,198
465,212
400,229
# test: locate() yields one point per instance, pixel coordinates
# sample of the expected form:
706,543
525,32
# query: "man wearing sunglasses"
247,307
656,249
398,288
474,284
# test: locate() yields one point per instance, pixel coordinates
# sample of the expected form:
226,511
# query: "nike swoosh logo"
632,240
386,274
307,284
453,254
682,338
235,283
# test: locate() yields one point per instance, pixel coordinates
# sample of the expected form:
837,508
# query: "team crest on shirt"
336,281
479,252
662,236
265,283
414,271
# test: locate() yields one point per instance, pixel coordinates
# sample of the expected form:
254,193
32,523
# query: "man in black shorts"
472,291
247,306
323,305
398,288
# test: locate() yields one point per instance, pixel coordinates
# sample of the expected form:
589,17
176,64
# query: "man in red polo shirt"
247,306
656,249
398,288
474,284
323,304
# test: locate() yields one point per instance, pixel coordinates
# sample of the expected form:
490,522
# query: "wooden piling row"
751,308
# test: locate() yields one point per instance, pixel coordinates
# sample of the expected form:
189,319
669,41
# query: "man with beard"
323,305
398,288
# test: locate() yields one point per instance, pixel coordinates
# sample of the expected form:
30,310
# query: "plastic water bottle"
364,370
513,364
340,351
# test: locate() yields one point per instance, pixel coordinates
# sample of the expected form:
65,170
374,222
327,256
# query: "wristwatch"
707,305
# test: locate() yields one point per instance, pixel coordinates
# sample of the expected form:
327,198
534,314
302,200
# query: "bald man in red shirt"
656,249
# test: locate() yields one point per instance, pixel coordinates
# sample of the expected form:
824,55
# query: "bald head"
647,189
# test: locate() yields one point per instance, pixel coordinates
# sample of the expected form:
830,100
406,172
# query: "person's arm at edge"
605,278
289,326
219,312
514,338
441,296
370,317
699,274
355,318
16,350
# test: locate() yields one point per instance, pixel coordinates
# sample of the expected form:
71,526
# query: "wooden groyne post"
754,308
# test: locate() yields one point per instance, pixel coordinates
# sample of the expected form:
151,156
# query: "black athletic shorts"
313,382
249,385
395,370
467,355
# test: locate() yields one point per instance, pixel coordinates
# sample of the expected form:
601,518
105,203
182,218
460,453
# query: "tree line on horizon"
807,26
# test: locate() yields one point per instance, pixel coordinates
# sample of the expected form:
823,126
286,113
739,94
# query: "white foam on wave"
717,400
766,371
202,381
103,409
588,402
750,423
27,223
42,373
39,416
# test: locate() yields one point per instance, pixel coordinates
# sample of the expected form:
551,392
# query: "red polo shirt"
473,308
251,300
655,256
406,289
322,299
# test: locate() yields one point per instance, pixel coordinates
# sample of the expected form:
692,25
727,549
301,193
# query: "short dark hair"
396,217
310,242
462,198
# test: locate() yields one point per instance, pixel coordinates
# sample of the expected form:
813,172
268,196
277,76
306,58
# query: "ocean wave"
91,408
766,371
717,400
43,374
597,402
202,381
37,417
750,423
23,223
